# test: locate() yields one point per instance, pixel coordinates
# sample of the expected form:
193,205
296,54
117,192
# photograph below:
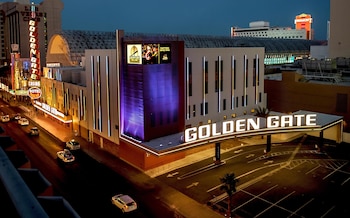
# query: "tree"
229,186
262,112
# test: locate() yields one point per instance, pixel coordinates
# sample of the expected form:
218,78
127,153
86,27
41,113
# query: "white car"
23,121
65,156
34,131
16,117
5,118
124,202
73,144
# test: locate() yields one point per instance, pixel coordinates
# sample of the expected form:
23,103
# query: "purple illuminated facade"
152,89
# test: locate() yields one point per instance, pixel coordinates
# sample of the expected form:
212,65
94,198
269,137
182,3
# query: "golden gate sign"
249,124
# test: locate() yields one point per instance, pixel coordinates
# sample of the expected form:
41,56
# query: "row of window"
219,74
204,108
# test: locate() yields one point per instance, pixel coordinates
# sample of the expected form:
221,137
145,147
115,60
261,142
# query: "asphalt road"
86,184
293,180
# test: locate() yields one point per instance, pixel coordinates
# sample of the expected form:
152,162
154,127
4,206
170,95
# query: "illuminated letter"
240,125
204,131
286,120
272,121
299,118
227,127
251,123
32,28
310,120
191,134
213,130
32,40
31,22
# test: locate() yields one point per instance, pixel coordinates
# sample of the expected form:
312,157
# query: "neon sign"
33,43
249,124
34,92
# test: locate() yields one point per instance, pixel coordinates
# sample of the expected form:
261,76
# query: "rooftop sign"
247,125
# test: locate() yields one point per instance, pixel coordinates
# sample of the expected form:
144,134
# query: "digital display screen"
148,53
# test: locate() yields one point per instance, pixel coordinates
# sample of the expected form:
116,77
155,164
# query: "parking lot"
289,182
303,187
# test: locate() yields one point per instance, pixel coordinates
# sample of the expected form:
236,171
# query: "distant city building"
339,40
303,22
262,29
15,32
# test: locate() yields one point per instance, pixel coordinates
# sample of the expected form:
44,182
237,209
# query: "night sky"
204,17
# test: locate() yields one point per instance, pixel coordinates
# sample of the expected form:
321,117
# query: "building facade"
131,100
15,31
325,97
304,22
262,29
339,43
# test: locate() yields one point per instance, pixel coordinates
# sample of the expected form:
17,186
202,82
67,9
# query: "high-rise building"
15,31
339,40
262,29
303,22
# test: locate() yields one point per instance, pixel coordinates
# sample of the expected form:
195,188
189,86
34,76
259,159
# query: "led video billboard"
148,53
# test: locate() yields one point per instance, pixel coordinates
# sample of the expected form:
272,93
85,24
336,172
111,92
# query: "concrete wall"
293,93
339,41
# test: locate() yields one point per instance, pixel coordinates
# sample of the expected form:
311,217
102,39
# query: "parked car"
23,121
5,118
34,131
124,202
66,156
73,144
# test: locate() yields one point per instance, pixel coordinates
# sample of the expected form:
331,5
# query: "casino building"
262,29
135,94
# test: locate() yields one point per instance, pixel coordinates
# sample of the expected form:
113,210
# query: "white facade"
267,32
102,83
240,94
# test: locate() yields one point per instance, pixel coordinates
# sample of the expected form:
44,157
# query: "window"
204,109
206,77
219,75
189,78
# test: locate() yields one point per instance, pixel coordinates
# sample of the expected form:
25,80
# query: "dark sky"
203,17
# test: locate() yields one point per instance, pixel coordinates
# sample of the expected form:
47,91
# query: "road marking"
250,155
238,151
200,170
172,174
327,212
302,206
256,179
269,162
193,185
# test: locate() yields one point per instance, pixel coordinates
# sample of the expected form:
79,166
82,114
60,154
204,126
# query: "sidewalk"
182,205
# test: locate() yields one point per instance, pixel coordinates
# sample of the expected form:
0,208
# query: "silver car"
73,145
124,202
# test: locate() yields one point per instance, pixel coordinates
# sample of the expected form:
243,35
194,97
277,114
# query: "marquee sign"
249,124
